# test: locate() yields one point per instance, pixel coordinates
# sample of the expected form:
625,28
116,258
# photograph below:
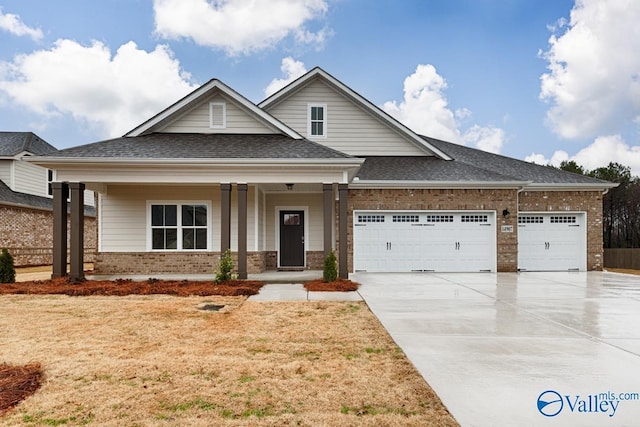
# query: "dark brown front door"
291,238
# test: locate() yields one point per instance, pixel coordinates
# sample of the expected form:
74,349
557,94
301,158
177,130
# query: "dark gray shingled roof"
516,169
31,201
202,146
407,168
12,143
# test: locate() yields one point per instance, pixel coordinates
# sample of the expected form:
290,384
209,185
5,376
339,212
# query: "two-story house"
26,201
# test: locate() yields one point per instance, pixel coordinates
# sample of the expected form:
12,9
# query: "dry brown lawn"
161,360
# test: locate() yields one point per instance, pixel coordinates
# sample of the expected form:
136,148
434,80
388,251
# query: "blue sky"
543,80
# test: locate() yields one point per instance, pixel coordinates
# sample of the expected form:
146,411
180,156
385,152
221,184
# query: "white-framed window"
217,115
49,181
317,127
183,226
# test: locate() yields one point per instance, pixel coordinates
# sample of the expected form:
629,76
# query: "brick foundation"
150,263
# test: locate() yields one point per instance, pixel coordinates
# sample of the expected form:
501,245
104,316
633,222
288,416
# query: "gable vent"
217,115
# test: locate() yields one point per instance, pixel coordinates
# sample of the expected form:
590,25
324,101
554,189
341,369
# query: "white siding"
30,179
124,214
238,120
260,212
5,172
314,220
350,129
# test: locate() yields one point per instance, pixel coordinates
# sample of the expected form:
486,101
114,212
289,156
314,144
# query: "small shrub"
225,268
7,269
330,273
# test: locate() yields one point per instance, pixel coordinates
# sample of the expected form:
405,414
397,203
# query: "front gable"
351,124
213,108
218,113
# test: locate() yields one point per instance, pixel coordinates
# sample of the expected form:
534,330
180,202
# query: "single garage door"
424,241
552,241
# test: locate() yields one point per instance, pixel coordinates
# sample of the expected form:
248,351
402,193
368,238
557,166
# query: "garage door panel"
425,241
551,242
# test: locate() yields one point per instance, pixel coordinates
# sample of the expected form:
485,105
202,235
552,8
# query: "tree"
225,268
330,272
619,225
7,269
572,166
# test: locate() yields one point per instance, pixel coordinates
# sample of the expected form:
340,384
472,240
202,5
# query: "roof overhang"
199,171
388,184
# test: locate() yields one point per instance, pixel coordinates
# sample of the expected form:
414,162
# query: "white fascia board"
387,184
571,187
107,162
359,99
202,91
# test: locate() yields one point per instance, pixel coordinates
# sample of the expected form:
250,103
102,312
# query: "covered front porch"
267,226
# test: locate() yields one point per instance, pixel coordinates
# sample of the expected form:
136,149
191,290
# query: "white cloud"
112,93
487,138
13,24
593,83
292,69
425,110
604,149
239,26
424,107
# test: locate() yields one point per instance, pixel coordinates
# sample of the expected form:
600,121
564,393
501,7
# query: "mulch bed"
17,383
340,285
130,287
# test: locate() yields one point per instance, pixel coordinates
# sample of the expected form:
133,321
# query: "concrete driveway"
506,349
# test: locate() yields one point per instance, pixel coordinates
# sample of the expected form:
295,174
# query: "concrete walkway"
526,349
297,292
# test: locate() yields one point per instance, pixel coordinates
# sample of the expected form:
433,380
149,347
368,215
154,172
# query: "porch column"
327,192
77,231
60,195
242,231
225,217
343,269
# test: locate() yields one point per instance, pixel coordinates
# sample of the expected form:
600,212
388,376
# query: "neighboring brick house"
317,167
26,221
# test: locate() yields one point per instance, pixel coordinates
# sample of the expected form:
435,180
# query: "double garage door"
552,242
424,241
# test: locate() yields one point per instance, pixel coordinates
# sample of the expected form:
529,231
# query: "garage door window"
406,218
370,218
563,220
439,218
474,218
530,220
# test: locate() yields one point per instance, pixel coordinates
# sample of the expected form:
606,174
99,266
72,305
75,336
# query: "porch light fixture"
506,213
289,186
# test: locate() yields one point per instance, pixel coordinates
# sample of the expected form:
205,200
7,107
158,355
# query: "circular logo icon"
550,403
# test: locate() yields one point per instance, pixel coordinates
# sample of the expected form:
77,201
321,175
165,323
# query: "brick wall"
150,263
444,199
28,235
578,201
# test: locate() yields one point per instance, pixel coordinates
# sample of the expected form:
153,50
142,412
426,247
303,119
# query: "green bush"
330,273
225,268
7,270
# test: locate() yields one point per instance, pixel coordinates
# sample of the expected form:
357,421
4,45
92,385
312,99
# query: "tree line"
620,206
